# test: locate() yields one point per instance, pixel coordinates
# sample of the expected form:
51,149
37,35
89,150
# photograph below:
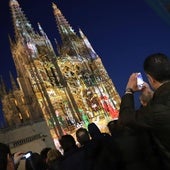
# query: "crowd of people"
138,140
120,149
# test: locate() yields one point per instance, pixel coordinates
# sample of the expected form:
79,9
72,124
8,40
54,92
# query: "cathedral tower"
67,89
84,72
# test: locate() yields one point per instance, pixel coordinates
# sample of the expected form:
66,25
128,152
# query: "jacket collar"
164,88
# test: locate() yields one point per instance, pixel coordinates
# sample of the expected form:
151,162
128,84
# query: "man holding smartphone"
155,117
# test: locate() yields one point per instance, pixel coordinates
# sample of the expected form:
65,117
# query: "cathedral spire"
46,39
42,31
64,27
13,82
88,45
58,46
3,88
22,27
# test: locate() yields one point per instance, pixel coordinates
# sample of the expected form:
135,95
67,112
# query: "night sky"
122,33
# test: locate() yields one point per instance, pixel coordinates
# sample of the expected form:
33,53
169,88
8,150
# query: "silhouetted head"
158,67
67,142
82,136
94,131
53,155
114,127
44,152
4,151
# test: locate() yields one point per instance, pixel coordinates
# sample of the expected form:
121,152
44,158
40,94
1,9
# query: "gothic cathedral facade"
65,89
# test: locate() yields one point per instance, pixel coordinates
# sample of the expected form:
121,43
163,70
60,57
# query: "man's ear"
154,83
151,81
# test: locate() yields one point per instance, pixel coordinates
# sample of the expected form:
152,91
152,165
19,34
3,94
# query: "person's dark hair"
53,157
82,136
94,131
114,126
67,142
4,151
157,66
44,152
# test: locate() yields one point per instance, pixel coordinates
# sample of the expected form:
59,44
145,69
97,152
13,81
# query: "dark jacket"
73,160
134,150
155,117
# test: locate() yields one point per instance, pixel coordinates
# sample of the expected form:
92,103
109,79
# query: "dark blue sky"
123,33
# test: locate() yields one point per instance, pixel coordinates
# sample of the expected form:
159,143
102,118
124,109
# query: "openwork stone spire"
22,26
64,27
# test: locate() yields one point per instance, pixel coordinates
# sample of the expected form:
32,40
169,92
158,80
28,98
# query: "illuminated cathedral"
66,89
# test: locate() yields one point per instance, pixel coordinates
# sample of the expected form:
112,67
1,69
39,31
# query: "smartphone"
27,155
140,81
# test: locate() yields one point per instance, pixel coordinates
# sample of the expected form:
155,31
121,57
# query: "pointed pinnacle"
81,33
56,9
13,83
13,2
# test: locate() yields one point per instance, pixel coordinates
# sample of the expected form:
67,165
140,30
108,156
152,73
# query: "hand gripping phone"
27,155
140,81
